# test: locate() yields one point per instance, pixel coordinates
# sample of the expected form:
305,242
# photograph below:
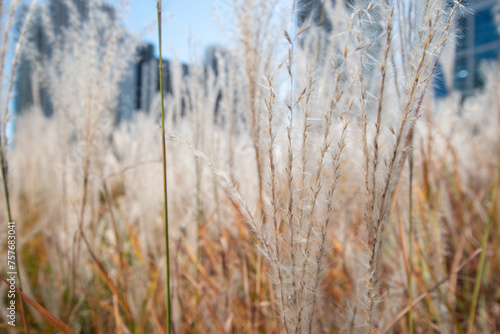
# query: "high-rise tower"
478,41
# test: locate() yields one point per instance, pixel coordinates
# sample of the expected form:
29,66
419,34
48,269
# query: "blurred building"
217,59
478,41
318,16
315,12
138,87
28,90
141,83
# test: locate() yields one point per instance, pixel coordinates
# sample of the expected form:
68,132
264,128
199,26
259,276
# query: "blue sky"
182,21
188,25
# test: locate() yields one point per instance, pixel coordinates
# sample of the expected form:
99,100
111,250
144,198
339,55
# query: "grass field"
314,183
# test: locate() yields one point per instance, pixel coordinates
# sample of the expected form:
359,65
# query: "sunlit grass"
315,191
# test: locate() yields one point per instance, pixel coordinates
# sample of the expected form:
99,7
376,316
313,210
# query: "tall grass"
164,162
84,102
295,209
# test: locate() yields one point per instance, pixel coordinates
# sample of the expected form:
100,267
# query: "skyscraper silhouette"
478,40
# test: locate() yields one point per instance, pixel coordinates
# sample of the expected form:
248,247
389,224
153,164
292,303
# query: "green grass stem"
410,240
167,268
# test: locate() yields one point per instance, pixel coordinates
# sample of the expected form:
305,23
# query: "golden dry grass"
289,212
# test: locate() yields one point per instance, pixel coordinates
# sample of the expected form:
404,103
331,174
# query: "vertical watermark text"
11,273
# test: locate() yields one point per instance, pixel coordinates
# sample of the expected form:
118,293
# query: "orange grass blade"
106,277
116,314
63,328
214,318
152,292
424,294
